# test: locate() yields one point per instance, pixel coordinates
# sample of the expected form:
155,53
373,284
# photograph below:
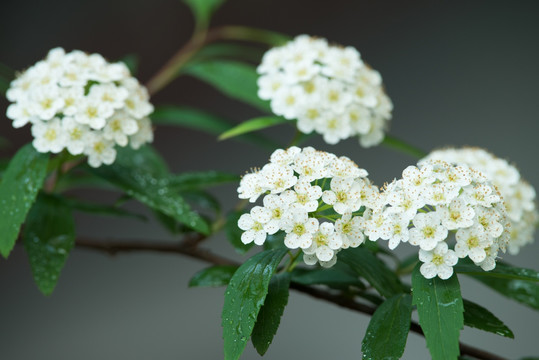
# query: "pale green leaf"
244,297
255,124
200,120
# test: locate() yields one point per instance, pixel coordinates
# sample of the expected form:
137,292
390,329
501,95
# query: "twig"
188,247
170,70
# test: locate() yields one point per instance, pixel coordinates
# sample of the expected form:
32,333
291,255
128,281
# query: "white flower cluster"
315,197
436,199
328,89
519,196
81,103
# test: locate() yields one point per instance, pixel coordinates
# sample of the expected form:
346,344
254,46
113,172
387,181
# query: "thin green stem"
404,147
292,263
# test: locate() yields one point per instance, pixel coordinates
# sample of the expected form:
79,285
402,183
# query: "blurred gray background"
458,72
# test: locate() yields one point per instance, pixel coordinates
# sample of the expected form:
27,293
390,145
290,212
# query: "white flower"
76,135
119,127
344,196
86,94
518,196
253,225
99,150
472,242
458,214
398,230
427,231
325,243
277,206
438,262
299,229
350,230
277,178
48,136
326,88
304,195
251,187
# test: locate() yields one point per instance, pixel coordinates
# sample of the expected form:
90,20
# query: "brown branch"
189,248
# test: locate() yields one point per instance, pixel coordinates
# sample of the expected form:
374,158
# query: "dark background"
458,72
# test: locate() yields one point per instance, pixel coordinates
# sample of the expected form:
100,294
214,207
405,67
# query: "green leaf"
49,236
202,179
238,51
372,269
6,76
235,79
388,329
213,276
270,314
480,318
501,271
100,209
244,297
20,184
203,10
4,85
201,199
203,121
525,292
255,124
138,174
440,310
132,62
233,232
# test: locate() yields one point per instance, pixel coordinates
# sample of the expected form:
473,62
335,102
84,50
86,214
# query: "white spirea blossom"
518,195
327,88
81,103
315,199
433,202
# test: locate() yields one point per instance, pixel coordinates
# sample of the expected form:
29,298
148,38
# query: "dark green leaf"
203,121
49,236
213,276
235,79
530,358
372,269
144,179
145,158
275,241
131,61
202,199
440,310
501,271
4,85
100,209
480,318
244,296
330,277
233,232
202,179
269,317
255,124
203,10
525,292
388,329
20,184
